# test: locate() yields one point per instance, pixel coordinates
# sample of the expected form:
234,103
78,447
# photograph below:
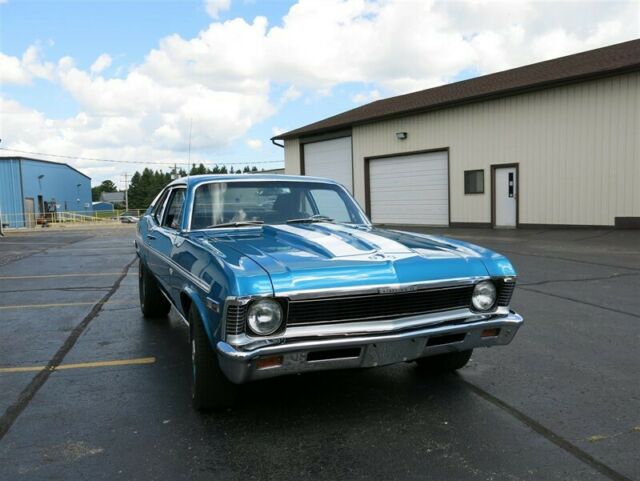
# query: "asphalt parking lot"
562,402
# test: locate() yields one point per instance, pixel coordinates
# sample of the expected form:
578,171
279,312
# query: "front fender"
496,264
210,319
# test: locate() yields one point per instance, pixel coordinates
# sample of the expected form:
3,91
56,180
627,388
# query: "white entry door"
506,196
330,158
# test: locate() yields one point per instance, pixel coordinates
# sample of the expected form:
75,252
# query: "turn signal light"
268,362
490,332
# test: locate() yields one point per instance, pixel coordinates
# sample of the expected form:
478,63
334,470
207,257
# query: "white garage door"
412,189
330,158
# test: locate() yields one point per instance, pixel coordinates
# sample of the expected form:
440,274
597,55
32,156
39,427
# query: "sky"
153,83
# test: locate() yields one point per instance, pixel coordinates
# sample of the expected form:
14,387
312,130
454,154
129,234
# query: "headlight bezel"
484,285
252,328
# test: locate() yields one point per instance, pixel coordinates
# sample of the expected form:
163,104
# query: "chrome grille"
505,291
236,317
378,306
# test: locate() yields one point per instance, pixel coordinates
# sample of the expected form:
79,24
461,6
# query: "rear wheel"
210,387
152,303
443,363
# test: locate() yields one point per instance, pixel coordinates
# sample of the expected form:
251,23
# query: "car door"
167,237
160,234
149,235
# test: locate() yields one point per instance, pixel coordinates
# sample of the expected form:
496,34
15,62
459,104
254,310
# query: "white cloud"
396,45
278,130
21,71
102,62
222,80
12,71
291,94
214,7
254,144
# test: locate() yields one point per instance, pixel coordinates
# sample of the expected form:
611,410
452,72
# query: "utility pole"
126,193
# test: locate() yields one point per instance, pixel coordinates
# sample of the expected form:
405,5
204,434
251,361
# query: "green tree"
199,170
146,185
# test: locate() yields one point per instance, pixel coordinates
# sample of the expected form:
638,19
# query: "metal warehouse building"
32,190
553,143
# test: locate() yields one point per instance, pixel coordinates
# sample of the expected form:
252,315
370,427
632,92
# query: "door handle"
151,237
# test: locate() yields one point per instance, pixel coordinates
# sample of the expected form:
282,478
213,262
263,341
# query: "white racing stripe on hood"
382,244
332,243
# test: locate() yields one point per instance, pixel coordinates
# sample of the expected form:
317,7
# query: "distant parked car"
284,274
128,219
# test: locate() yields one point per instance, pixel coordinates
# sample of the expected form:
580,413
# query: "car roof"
192,180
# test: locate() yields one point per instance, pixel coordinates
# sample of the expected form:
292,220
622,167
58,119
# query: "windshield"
279,202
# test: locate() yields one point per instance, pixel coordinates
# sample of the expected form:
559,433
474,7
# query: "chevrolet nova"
284,274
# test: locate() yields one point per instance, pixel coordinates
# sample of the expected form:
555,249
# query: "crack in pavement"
595,236
580,279
27,394
39,251
592,304
637,269
549,435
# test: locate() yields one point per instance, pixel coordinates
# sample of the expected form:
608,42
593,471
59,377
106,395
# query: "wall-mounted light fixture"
401,135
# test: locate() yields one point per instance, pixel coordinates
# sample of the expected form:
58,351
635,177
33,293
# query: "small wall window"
474,181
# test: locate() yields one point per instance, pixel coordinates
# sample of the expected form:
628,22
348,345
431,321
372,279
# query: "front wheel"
152,302
210,387
443,363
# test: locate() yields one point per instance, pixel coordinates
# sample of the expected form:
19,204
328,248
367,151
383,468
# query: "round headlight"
264,317
484,296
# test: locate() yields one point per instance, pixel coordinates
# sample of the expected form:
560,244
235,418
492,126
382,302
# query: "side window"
173,211
156,213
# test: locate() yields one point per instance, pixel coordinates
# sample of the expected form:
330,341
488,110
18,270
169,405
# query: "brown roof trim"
602,62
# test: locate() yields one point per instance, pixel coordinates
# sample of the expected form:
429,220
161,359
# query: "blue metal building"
33,189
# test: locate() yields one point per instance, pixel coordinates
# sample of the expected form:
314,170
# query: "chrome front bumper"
306,355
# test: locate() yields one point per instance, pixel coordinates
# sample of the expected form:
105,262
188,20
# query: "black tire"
443,363
210,387
152,303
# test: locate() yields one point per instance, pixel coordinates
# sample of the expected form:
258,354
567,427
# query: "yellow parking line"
83,365
51,276
65,304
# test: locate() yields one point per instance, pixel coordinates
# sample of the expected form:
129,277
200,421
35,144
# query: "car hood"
322,256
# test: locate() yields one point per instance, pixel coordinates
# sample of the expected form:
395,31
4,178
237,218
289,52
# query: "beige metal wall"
578,147
292,157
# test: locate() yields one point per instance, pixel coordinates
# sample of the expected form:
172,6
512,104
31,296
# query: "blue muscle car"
285,274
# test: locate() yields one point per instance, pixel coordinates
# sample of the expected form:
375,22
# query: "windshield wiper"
309,220
236,224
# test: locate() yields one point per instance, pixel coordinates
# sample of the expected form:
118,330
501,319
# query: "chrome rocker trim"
375,350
